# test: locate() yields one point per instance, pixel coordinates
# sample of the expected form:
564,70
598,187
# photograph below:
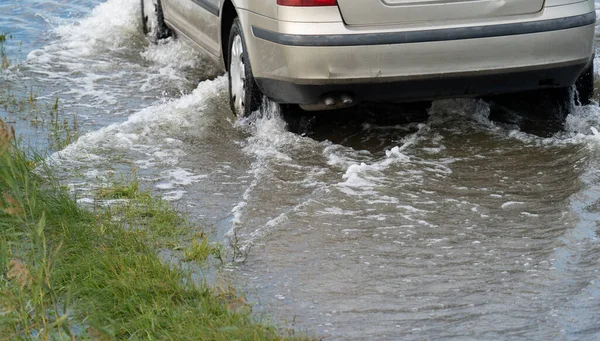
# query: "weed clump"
201,249
4,62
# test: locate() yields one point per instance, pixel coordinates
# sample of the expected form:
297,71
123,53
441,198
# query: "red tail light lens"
306,3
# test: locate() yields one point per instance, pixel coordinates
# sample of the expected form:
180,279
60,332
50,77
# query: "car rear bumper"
548,49
443,86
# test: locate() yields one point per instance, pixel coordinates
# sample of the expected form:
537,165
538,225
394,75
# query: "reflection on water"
468,219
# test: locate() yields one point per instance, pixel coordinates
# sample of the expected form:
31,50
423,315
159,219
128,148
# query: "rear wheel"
585,86
244,95
153,21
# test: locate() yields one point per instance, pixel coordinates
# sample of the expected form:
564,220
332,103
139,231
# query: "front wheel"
244,95
153,21
585,86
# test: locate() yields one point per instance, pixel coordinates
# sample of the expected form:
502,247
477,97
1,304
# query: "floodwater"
468,219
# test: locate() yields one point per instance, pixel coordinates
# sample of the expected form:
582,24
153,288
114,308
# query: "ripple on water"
456,228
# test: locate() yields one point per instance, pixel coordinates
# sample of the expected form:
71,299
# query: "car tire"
153,21
244,95
585,86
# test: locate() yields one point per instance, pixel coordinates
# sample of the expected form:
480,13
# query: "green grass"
201,249
121,190
4,61
71,273
62,128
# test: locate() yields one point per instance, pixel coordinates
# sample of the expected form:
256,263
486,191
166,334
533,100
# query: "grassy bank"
71,273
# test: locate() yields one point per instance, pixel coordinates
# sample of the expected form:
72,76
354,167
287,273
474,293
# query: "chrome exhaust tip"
347,99
331,101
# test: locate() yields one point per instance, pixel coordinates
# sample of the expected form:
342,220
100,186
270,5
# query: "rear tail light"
306,3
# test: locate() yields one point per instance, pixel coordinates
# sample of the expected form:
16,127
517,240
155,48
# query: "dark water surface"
467,219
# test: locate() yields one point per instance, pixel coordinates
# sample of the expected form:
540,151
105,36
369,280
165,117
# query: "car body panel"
383,12
306,64
469,49
196,19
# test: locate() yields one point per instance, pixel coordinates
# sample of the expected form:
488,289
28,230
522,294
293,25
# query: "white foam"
583,123
383,199
172,53
271,146
171,59
343,157
362,176
269,138
145,131
581,127
271,143
362,179
93,61
108,22
395,227
512,203
75,57
177,177
174,195
411,209
147,139
182,177
336,211
237,211
269,132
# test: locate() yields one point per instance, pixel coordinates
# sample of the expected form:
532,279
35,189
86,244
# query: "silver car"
328,54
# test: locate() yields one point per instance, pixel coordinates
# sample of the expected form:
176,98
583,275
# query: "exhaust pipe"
347,100
331,101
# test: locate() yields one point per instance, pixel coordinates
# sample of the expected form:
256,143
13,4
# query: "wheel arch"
228,14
